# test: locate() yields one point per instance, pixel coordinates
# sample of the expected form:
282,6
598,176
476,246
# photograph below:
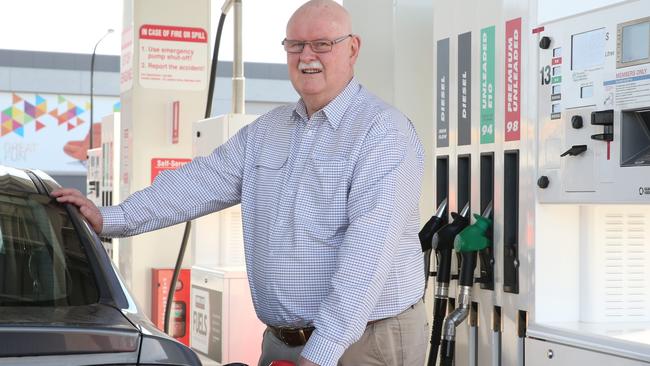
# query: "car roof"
12,179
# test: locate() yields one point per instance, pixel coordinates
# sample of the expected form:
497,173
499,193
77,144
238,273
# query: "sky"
74,26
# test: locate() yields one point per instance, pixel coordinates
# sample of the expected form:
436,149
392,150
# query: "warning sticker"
173,57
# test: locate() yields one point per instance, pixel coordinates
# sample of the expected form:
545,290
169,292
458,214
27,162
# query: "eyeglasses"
318,46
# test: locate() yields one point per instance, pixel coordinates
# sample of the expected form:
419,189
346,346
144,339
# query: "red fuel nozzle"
282,363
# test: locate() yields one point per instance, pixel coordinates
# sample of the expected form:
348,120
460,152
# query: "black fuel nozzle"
486,257
443,243
434,224
426,234
470,241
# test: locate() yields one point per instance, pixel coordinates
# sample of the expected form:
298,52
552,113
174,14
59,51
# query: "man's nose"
307,52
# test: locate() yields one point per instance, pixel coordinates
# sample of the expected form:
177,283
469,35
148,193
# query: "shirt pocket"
269,170
321,205
270,162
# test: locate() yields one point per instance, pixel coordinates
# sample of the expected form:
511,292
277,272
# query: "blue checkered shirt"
329,208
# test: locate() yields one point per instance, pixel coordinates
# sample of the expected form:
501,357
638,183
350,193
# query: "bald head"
336,15
320,74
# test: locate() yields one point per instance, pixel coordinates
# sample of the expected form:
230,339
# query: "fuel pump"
442,243
426,235
468,243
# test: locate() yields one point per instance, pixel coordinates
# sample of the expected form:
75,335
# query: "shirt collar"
335,109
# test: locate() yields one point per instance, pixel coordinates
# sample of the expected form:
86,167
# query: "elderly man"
329,190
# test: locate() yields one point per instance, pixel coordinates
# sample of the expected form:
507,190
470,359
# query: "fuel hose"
208,112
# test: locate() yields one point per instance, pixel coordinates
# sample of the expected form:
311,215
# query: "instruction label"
173,57
465,88
513,80
630,88
487,85
442,84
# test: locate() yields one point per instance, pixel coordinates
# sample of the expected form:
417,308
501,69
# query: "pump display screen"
588,49
635,42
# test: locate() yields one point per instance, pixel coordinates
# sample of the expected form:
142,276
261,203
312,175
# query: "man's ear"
355,46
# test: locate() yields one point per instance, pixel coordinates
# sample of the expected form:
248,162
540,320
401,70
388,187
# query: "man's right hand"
87,208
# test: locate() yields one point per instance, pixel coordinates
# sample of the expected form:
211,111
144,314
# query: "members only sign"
173,57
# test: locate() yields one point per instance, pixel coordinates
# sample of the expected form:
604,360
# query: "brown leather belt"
292,337
295,337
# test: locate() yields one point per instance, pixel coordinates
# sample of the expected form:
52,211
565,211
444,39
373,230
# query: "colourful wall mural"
49,131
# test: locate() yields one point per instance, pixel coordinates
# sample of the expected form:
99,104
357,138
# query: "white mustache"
310,65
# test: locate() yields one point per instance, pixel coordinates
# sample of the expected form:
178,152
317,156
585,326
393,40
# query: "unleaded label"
513,80
487,85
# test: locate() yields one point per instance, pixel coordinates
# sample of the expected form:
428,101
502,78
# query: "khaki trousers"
398,341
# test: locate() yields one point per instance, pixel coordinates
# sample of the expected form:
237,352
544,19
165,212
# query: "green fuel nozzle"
469,242
473,238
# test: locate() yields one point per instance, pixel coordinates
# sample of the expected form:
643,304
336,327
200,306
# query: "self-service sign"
160,164
513,80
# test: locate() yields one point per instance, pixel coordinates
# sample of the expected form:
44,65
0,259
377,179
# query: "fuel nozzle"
473,238
470,241
443,243
434,224
426,235
444,238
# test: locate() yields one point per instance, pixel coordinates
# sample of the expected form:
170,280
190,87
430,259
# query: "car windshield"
42,261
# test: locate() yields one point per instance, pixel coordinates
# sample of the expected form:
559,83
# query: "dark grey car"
61,300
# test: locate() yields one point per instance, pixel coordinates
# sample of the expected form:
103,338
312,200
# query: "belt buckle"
287,339
303,338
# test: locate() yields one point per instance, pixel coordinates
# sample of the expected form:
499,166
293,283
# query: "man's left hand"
305,362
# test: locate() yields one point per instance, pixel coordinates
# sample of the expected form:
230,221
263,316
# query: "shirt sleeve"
204,185
383,197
